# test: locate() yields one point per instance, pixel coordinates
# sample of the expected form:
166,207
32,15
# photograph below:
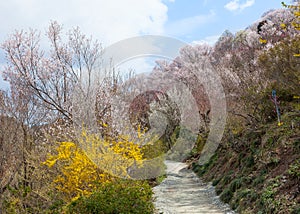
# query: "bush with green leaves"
294,169
120,196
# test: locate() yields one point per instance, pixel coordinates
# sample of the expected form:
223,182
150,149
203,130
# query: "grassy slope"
258,170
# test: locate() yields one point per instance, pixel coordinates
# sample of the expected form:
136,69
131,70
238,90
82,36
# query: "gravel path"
183,192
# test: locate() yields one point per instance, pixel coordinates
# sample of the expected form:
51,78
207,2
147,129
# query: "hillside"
256,168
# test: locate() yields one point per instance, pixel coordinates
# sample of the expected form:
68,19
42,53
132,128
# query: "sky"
192,21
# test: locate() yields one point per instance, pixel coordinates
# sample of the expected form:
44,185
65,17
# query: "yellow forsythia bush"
95,161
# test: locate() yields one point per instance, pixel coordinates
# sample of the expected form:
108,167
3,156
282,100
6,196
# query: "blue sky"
114,20
214,16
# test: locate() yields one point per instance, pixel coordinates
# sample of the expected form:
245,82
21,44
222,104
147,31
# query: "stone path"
183,192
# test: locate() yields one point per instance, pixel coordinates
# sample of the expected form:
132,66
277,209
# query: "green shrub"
243,193
56,206
294,170
122,196
226,179
216,181
226,195
249,161
236,184
248,194
268,201
196,168
258,180
296,210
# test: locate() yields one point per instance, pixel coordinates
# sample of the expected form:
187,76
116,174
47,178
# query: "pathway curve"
183,192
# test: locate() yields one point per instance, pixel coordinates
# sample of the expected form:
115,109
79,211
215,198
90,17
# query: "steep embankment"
183,192
257,170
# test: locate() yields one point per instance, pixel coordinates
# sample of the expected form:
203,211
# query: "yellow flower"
50,162
282,25
79,174
297,13
262,41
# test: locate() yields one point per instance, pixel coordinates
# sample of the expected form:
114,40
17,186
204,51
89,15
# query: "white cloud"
187,25
248,3
210,40
233,5
108,21
236,5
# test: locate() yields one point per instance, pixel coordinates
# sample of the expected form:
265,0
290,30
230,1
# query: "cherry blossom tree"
51,76
39,103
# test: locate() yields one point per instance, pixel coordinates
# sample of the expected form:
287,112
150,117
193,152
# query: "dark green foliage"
203,169
226,179
196,168
258,180
249,161
236,184
294,169
124,196
226,195
296,210
215,182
